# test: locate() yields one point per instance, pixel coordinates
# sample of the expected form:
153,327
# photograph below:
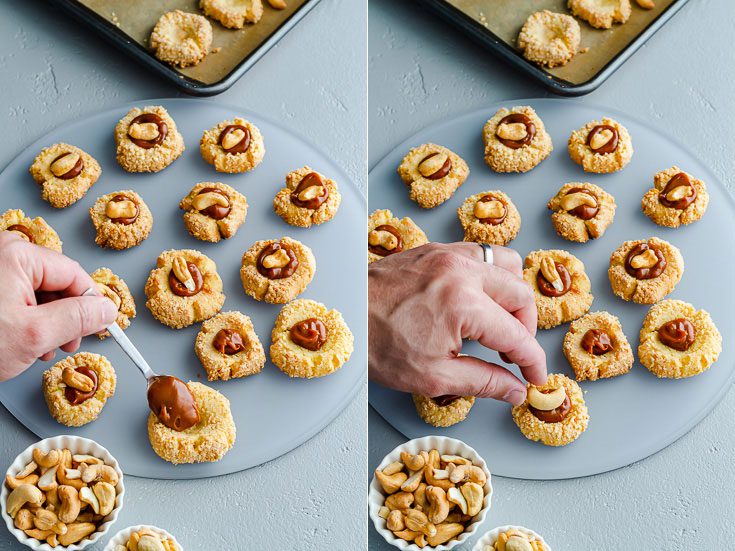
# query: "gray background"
422,71
54,71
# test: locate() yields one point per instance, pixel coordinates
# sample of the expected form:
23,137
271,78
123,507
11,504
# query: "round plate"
273,413
631,416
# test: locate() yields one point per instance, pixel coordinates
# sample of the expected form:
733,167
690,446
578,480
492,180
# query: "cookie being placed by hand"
181,38
121,219
443,411
582,211
597,348
645,271
147,140
36,230
601,146
233,13
276,271
389,235
549,39
184,288
676,198
601,13
309,340
213,211
111,286
65,174
489,217
554,413
228,347
432,173
515,140
308,198
677,340
560,286
233,146
77,387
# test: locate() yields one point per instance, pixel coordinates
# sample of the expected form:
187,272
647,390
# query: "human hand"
424,301
40,306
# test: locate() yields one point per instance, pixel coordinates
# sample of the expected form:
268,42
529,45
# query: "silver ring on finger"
487,253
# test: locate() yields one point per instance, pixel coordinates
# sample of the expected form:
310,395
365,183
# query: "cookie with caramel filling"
388,235
601,146
443,411
121,219
308,198
677,198
213,211
34,230
65,174
228,347
582,211
114,288
515,140
489,217
432,174
147,140
233,146
597,348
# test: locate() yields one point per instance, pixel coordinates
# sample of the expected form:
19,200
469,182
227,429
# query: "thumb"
67,319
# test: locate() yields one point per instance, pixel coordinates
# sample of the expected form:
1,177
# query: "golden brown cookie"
308,198
560,285
184,288
489,217
677,340
34,230
181,38
596,347
549,39
213,211
676,198
554,413
114,288
601,13
233,13
432,173
77,387
389,235
208,440
277,270
233,146
147,140
65,174
310,341
515,140
443,411
582,211
645,271
228,347
121,219
601,146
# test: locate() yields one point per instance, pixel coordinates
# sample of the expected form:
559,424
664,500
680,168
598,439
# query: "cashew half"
391,483
86,495
48,479
46,460
106,494
455,496
94,473
473,495
419,522
395,522
413,462
13,482
25,493
47,520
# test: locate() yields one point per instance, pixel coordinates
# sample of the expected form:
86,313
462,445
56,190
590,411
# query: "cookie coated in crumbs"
515,140
65,174
180,38
432,174
602,146
34,230
295,204
408,235
489,217
115,288
596,347
233,146
663,204
116,230
447,415
549,39
213,211
582,211
150,144
228,347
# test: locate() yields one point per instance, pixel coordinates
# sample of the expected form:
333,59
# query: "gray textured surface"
424,72
313,81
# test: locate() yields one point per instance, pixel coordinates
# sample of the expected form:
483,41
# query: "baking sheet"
504,18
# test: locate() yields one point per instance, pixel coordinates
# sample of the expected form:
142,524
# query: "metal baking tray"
496,23
128,26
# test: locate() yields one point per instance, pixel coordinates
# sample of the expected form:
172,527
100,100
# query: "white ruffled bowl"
446,446
122,537
77,445
492,536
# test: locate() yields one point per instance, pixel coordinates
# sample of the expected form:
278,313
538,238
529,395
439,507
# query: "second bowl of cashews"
528,540
446,447
149,538
33,486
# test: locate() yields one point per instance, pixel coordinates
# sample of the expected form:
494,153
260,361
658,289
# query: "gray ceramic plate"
273,413
631,416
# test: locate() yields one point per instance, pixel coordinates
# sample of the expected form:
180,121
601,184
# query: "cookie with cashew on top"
233,146
596,347
184,288
65,174
147,140
554,413
601,146
443,411
308,198
515,140
549,39
602,13
34,230
388,235
582,211
228,347
560,286
276,271
213,211
114,288
677,340
432,173
645,271
121,219
676,198
489,217
77,388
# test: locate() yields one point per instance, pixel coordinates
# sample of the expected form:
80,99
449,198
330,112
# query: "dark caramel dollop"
158,121
678,334
547,289
523,119
277,273
178,288
597,342
608,147
172,402
645,273
75,396
310,334
555,415
74,171
680,179
382,251
311,179
443,170
228,341
585,212
241,146
218,212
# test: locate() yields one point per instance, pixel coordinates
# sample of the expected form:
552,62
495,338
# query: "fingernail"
516,397
109,311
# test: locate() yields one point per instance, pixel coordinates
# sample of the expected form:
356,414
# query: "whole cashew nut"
93,473
413,462
546,402
473,495
46,460
25,493
395,522
70,503
438,509
391,483
14,482
47,520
